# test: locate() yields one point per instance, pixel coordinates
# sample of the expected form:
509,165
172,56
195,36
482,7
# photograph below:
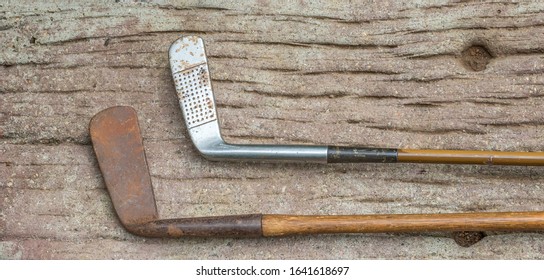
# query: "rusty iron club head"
118,146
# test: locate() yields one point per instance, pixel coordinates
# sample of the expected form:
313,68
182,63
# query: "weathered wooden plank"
377,74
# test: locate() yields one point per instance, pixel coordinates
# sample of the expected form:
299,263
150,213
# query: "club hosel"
209,143
222,151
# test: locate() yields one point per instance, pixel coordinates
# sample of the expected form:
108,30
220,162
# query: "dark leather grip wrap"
217,226
336,154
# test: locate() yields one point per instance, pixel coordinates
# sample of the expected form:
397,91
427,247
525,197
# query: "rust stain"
181,47
174,231
209,102
184,64
203,75
193,39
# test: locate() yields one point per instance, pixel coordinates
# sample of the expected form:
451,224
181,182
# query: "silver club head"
191,76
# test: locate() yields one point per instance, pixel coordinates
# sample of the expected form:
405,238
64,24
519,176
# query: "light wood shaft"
282,225
471,157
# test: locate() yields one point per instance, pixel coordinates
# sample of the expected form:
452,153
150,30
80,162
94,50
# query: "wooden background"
421,74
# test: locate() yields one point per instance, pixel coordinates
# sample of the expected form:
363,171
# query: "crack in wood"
430,130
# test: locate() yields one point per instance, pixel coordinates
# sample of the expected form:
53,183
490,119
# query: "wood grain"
471,157
284,225
377,74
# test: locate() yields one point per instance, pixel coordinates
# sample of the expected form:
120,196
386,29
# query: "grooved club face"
195,92
192,79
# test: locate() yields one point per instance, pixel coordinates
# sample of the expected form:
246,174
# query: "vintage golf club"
118,145
191,76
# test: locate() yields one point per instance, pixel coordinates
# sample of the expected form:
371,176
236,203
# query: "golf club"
118,146
191,76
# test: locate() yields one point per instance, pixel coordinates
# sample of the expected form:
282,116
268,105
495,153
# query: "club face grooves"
192,79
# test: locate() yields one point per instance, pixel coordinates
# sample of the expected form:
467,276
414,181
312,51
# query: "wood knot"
468,238
476,58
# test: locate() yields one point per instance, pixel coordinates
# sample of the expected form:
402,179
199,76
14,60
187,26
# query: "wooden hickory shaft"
280,225
338,154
